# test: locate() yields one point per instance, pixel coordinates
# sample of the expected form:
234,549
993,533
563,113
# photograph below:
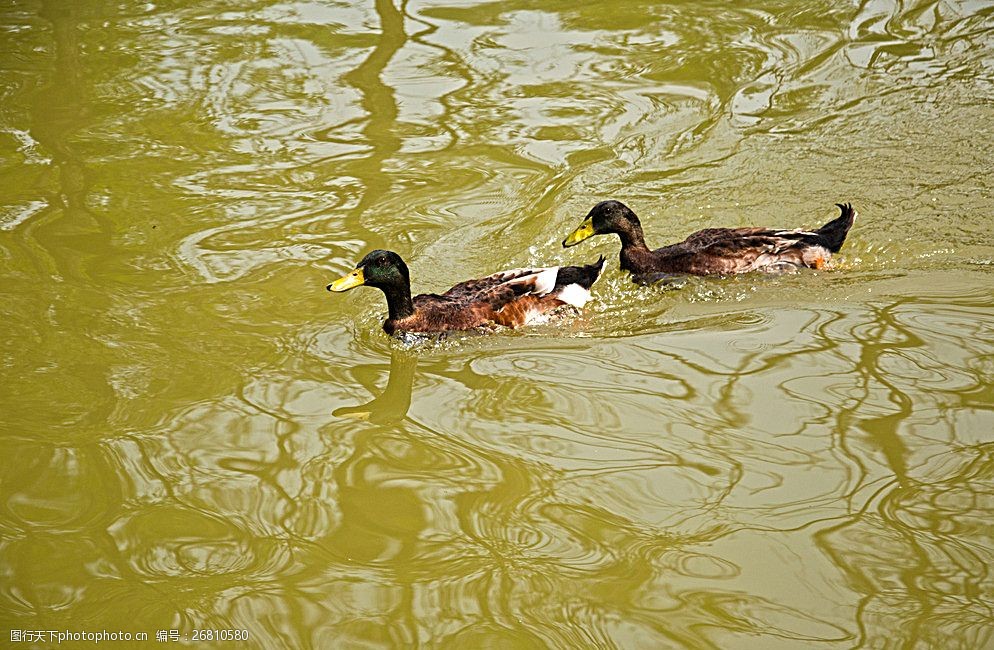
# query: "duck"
714,251
510,298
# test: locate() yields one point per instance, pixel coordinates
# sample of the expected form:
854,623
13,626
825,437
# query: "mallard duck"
715,250
511,298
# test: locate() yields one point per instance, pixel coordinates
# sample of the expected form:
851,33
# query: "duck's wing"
567,284
511,298
479,301
713,239
505,285
511,282
737,250
769,240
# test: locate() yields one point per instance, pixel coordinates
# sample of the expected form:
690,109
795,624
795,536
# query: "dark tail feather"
585,276
833,234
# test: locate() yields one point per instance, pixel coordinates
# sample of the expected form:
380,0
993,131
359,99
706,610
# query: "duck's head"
604,218
381,269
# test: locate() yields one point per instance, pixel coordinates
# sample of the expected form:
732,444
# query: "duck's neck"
399,300
632,238
634,252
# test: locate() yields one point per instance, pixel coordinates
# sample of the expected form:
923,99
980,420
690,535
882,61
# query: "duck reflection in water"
392,404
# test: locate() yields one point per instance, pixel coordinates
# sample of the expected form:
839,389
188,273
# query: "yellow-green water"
195,435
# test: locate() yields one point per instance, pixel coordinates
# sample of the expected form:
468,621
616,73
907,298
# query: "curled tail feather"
833,234
585,276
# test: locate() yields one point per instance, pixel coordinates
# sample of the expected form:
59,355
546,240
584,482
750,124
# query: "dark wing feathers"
736,250
472,288
506,298
703,239
733,240
497,290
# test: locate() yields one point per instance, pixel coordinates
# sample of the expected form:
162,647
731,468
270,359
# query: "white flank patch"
574,294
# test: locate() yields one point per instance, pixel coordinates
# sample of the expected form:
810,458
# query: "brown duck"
714,251
511,298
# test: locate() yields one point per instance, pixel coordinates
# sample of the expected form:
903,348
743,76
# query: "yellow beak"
354,412
350,281
584,230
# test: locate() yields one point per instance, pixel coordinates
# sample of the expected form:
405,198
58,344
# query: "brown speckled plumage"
719,250
507,298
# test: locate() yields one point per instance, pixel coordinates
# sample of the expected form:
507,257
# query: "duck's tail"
833,234
585,276
573,282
